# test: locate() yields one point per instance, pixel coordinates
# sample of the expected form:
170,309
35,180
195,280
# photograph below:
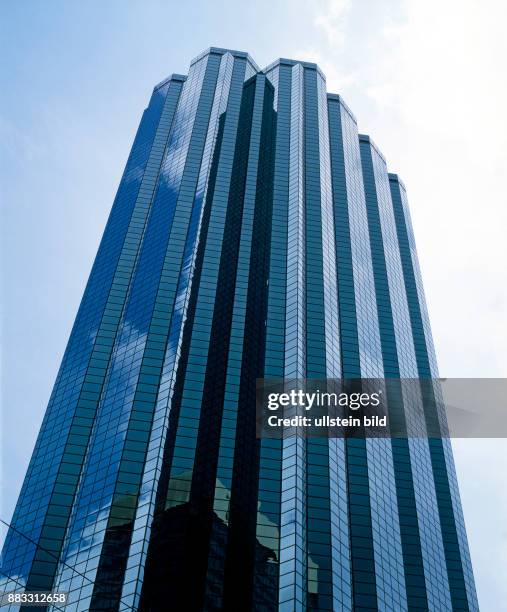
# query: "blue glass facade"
255,234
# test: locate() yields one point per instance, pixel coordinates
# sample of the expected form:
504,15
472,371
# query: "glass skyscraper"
255,234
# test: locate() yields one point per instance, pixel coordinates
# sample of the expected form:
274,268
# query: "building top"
396,179
338,98
233,52
366,138
283,61
171,77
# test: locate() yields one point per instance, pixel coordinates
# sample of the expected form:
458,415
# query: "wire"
49,552
16,603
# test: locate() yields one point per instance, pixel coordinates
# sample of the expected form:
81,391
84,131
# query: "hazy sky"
426,78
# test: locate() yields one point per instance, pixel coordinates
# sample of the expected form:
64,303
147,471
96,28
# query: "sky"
426,79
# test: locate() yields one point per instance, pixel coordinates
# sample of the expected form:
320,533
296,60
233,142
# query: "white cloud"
330,18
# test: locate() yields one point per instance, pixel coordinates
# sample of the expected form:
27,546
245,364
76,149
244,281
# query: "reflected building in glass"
254,234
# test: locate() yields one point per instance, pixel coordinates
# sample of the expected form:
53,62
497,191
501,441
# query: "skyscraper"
254,234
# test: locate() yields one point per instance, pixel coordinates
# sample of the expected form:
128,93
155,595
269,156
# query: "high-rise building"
254,234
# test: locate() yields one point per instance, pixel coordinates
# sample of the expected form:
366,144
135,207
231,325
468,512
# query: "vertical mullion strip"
318,503
338,515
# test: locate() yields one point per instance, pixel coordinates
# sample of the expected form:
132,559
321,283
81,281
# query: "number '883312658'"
42,598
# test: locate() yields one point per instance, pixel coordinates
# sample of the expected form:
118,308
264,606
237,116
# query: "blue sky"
425,79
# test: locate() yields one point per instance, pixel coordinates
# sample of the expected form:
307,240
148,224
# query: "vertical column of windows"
292,592
178,303
340,543
462,590
340,539
320,302
266,573
358,341
189,413
397,357
243,203
210,534
391,588
424,564
243,547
